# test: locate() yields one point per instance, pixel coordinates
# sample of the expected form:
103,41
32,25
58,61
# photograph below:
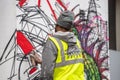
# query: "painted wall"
10,23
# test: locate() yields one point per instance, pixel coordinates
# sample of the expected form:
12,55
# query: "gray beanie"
66,19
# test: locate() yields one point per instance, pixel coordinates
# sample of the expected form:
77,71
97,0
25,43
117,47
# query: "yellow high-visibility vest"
68,67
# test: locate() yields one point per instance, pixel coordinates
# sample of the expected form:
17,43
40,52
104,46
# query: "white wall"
7,27
7,21
114,65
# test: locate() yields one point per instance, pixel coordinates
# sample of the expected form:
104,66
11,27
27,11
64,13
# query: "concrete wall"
7,27
118,24
7,21
114,65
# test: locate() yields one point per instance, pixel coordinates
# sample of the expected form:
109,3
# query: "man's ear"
56,28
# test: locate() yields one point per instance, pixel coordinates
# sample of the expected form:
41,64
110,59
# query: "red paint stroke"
103,69
52,10
98,51
32,70
61,3
39,1
21,2
104,77
24,43
101,60
78,26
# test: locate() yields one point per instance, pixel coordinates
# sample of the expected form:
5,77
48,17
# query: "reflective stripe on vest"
67,67
61,59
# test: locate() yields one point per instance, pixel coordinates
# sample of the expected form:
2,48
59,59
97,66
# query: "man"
62,55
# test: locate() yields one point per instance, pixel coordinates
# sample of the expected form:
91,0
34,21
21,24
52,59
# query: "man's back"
69,62
62,56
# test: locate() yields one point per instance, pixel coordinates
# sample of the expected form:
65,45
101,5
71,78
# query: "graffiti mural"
36,20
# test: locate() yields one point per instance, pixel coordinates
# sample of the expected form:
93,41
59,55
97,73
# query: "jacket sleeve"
48,60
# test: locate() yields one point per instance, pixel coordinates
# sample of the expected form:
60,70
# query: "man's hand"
35,58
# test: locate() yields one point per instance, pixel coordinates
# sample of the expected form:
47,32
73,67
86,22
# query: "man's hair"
65,20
